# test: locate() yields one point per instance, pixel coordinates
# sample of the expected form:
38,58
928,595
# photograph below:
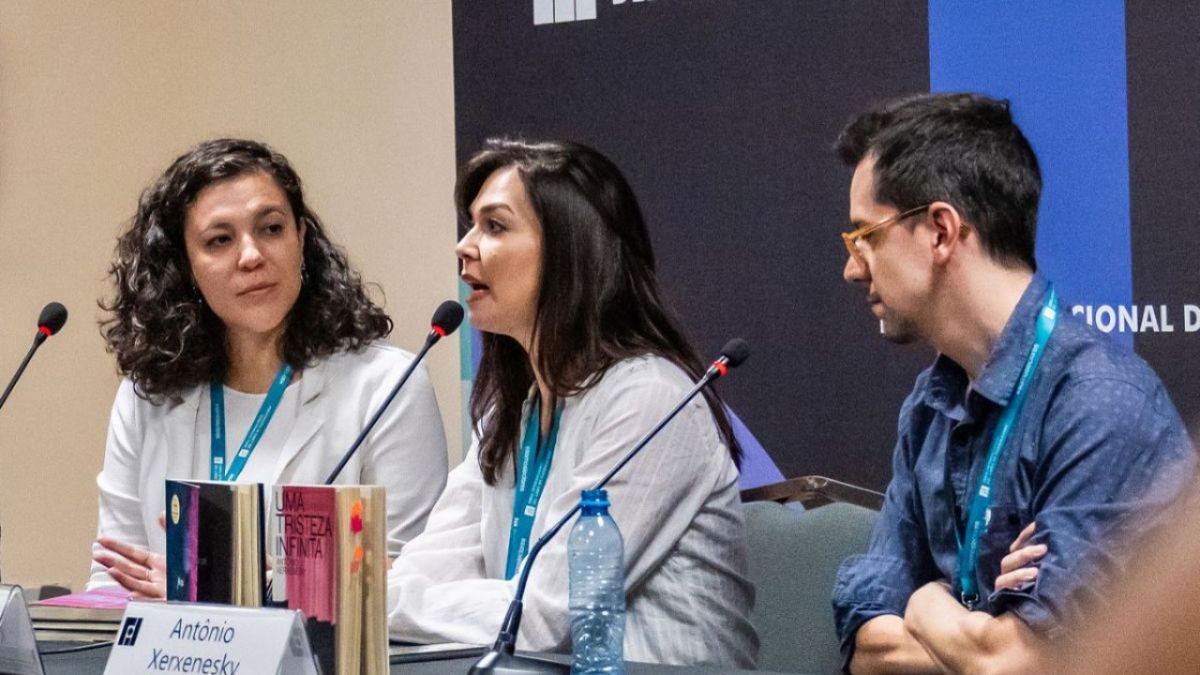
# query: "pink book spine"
310,519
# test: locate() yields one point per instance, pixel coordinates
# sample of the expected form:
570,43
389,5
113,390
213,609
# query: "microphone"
446,319
500,659
50,321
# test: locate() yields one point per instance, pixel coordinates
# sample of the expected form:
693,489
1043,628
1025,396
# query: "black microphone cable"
446,320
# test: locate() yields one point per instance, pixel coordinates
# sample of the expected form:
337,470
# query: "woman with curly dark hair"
581,357
234,317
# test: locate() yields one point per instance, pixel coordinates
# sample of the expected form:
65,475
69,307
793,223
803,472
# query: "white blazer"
405,452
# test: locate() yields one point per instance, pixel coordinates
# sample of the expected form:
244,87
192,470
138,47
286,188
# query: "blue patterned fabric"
1097,454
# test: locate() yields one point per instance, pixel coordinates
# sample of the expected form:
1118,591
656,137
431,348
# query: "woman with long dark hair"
235,321
580,359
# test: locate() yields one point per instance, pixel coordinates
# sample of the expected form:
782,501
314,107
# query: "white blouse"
677,505
240,410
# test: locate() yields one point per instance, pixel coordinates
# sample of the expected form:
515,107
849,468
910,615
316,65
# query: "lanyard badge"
980,515
533,469
258,427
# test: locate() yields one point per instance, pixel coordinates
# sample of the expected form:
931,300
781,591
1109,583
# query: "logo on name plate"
566,11
129,631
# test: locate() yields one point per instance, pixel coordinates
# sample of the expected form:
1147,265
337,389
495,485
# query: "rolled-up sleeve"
868,586
1115,457
898,560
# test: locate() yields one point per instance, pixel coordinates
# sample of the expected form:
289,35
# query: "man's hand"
1017,569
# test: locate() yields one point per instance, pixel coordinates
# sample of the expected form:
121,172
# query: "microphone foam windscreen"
448,316
52,318
736,351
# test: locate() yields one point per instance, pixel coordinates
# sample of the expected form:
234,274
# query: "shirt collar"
947,384
946,387
1003,368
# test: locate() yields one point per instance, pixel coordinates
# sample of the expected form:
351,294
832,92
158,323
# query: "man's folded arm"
897,562
884,645
962,641
1103,481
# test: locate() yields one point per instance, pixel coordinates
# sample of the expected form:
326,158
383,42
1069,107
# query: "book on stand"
215,544
330,560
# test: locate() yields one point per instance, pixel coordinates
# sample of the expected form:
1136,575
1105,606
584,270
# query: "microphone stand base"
499,663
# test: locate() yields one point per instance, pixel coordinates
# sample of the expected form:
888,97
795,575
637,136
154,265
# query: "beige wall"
96,98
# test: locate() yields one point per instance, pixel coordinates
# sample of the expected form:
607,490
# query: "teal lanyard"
532,469
257,428
980,515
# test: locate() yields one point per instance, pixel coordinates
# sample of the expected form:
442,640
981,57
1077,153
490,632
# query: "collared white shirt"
677,505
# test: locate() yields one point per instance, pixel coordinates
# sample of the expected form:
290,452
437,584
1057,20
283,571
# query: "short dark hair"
963,149
165,338
605,305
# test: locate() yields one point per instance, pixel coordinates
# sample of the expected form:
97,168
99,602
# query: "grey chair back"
794,558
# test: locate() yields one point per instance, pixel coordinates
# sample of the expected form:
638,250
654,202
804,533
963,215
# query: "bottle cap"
594,498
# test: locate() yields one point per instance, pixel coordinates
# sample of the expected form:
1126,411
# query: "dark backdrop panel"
722,114
1164,161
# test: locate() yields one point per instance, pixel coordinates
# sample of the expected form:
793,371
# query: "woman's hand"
140,571
1017,569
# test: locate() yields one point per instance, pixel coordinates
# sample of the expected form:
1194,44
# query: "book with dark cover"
215,545
183,518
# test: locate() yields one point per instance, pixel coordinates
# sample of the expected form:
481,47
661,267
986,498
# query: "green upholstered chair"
794,558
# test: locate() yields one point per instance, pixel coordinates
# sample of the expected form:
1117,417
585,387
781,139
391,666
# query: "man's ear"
949,231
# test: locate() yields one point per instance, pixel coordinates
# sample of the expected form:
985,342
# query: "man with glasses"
1031,450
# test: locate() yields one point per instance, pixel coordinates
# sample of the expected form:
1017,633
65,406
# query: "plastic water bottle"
597,565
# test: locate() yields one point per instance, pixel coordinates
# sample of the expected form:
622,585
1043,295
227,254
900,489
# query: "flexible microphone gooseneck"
50,321
446,320
501,660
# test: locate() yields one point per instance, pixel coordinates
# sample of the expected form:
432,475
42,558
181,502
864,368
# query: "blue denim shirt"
1097,452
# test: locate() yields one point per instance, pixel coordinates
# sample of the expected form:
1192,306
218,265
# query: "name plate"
158,637
18,647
